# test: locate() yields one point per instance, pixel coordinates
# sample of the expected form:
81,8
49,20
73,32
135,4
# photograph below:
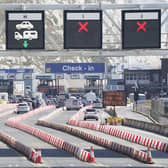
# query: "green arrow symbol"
25,44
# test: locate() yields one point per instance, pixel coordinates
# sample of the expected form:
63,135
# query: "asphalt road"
53,157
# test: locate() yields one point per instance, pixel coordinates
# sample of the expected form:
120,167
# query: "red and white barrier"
55,141
141,140
129,151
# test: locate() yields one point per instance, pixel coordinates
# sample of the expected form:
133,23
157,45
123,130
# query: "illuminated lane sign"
25,29
83,29
141,29
75,68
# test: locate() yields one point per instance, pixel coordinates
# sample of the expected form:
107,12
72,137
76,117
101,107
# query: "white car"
24,25
23,107
91,113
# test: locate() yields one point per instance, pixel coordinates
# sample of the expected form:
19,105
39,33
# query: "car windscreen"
22,104
90,110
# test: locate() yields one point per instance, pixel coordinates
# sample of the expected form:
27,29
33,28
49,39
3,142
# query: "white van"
73,104
3,97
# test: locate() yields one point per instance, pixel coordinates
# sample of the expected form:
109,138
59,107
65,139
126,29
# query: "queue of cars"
25,104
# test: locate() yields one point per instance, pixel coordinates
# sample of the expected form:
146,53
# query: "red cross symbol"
141,26
83,26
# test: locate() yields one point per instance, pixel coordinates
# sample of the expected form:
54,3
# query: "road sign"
83,29
18,88
75,68
25,29
114,98
141,29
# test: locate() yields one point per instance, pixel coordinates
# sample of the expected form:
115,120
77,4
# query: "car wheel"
85,119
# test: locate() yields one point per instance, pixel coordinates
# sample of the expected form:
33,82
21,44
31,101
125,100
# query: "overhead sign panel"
141,29
45,76
25,29
83,29
75,68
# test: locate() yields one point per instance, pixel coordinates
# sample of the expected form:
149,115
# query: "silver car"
91,113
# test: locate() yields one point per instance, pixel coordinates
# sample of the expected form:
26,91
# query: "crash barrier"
142,106
149,142
159,110
29,152
6,107
129,151
152,127
57,142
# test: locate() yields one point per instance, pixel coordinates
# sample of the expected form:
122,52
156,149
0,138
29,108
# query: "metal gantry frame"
107,51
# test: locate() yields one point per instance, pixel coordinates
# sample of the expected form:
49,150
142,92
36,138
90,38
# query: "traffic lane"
50,154
156,154
160,158
34,142
112,138
141,133
126,112
104,157
69,138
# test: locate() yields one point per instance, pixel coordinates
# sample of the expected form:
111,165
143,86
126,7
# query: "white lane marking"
71,165
96,164
55,112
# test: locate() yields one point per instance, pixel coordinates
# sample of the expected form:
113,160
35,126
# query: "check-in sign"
25,29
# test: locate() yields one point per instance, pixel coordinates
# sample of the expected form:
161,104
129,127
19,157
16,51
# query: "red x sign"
141,26
83,26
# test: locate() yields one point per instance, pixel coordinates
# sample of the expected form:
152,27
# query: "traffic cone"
32,154
38,154
92,157
149,156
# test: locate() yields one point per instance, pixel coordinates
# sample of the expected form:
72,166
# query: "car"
97,104
24,25
91,113
23,107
